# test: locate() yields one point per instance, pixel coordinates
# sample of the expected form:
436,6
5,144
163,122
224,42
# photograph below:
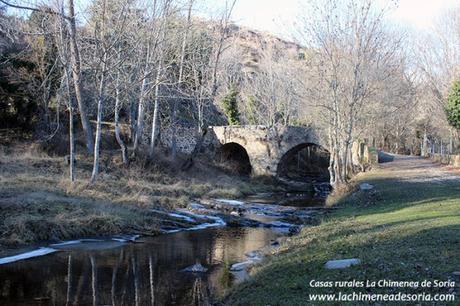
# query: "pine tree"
453,105
230,106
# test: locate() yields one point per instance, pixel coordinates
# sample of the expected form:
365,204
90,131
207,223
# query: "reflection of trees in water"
93,278
69,280
200,293
143,280
136,274
152,284
115,270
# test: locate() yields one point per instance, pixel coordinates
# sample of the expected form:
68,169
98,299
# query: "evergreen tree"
230,106
453,105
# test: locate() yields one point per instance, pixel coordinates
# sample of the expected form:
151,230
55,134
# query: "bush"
453,105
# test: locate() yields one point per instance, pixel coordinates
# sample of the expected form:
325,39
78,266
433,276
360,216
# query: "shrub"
453,105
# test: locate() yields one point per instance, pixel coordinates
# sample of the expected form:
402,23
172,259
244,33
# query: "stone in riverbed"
366,186
235,213
196,268
254,254
241,265
342,263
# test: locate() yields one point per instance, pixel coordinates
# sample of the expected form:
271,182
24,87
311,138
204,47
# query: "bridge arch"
303,161
235,157
264,145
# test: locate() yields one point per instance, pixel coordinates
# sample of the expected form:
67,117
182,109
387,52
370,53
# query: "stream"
192,266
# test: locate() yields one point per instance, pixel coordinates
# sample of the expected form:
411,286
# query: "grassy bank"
407,228
39,203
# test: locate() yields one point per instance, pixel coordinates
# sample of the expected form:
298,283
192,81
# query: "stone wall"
186,138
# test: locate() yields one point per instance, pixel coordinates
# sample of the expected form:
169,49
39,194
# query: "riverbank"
407,227
39,203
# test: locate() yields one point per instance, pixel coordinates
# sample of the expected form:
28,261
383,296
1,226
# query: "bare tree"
108,26
161,66
180,79
353,53
76,76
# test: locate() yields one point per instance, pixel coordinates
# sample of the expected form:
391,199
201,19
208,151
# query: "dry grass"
340,193
38,202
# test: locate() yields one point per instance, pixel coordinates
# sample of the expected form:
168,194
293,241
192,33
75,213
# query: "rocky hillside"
255,44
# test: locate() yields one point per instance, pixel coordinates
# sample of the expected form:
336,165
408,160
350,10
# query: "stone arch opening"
306,161
235,158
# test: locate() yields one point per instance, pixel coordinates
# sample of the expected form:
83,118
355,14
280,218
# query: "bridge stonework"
264,145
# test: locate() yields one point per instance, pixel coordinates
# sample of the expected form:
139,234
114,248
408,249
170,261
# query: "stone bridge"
265,147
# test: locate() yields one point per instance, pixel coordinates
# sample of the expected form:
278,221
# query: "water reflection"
133,274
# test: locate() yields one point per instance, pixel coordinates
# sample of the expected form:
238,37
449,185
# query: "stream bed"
150,270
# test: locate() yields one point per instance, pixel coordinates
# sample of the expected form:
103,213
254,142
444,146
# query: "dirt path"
415,169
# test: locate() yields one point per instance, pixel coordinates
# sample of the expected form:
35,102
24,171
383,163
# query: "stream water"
112,273
148,272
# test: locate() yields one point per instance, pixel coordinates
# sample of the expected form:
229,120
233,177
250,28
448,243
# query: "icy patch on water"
230,202
217,222
73,242
125,238
27,255
184,216
86,244
181,216
65,243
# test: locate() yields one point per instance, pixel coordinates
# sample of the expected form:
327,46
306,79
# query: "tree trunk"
100,103
156,110
71,129
72,144
181,69
156,106
121,143
424,152
141,107
76,76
